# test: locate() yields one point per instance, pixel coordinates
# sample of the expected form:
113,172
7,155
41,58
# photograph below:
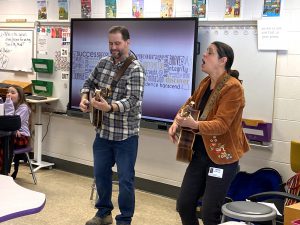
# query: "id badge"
215,172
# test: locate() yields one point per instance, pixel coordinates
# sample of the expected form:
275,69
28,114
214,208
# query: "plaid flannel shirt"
128,94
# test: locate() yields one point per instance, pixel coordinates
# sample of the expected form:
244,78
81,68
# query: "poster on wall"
63,9
65,34
199,8
65,75
138,8
42,45
167,8
56,32
86,8
110,8
42,9
233,9
271,8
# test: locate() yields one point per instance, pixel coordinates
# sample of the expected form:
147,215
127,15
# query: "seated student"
15,104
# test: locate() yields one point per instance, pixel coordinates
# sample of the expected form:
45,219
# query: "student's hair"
22,99
120,29
225,50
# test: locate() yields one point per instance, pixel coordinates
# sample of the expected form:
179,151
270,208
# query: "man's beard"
116,54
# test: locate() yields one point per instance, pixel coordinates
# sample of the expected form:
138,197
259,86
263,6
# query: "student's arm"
24,112
9,108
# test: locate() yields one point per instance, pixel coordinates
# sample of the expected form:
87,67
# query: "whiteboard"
257,68
16,49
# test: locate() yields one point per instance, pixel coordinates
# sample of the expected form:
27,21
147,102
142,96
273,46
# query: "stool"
94,189
248,212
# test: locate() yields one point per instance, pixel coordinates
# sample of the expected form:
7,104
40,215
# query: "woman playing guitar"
218,139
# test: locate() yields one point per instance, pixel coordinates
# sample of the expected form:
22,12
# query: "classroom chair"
26,151
295,156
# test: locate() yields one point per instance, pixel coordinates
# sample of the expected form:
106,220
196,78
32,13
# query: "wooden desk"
39,132
17,201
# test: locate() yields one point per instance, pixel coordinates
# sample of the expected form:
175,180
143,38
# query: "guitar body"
186,140
185,145
96,115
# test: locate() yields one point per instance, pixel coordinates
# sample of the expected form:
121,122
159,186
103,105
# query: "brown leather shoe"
100,221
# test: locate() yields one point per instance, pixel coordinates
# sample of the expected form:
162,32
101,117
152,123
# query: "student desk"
17,201
39,132
8,126
5,135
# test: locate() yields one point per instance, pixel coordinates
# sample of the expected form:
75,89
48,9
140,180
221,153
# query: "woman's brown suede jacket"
222,131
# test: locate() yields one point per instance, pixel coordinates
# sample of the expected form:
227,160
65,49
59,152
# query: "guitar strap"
213,97
121,71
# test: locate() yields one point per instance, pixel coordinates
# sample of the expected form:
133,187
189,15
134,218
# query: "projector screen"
166,48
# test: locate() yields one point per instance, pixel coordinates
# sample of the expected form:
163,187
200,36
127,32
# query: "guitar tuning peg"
192,103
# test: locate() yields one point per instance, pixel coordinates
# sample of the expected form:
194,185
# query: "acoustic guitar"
187,136
96,115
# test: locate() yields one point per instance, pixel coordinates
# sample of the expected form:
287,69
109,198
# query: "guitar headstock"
187,109
102,92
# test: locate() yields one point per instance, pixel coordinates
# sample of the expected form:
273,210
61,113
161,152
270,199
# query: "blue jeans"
106,154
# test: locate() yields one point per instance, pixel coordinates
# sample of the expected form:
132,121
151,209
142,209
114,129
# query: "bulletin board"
53,43
16,46
256,68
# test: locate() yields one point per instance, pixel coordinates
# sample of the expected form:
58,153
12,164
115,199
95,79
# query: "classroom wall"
71,138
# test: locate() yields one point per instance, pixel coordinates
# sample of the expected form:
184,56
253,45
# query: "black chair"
278,198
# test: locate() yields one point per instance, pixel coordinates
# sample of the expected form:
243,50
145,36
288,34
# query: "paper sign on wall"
272,34
65,75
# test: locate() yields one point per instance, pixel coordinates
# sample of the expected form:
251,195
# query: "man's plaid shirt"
128,94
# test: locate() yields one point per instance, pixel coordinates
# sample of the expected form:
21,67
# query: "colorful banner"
63,9
233,9
86,8
199,8
167,8
138,8
111,8
271,8
56,32
42,9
